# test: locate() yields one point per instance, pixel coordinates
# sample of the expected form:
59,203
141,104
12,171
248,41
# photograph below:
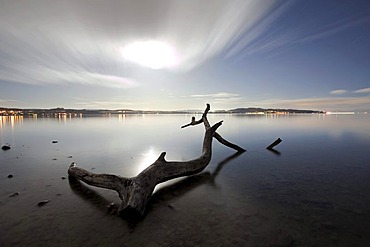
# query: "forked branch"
216,135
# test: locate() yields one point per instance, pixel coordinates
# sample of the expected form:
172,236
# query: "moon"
152,54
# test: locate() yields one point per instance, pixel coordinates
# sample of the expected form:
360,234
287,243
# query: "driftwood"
135,192
275,143
272,146
163,196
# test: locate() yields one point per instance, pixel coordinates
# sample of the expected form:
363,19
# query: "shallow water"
314,192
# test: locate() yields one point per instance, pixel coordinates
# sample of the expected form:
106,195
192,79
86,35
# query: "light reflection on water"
314,193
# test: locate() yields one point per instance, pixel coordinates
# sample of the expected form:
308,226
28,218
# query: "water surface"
312,192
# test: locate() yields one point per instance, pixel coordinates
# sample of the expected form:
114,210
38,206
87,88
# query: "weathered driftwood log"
275,143
135,192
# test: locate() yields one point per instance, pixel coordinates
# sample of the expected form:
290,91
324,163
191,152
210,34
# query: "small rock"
58,194
63,177
5,147
14,194
42,203
10,176
54,141
69,157
55,159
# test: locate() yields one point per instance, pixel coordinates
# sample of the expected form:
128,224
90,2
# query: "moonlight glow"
152,54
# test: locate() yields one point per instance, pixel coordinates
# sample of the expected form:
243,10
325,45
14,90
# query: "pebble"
14,194
42,203
63,177
5,147
10,176
55,141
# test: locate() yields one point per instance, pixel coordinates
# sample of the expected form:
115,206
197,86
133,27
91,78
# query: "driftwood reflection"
223,163
161,197
272,145
274,151
164,195
89,195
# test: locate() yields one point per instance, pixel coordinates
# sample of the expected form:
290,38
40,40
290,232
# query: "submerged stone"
42,203
14,194
5,147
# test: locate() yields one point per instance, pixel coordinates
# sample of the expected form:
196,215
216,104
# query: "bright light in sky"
152,54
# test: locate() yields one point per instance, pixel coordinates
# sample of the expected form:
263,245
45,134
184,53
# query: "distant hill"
270,110
60,110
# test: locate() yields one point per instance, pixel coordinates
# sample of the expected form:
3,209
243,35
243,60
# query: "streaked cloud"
223,100
99,104
216,95
246,43
333,28
338,92
44,75
325,104
204,36
265,39
7,100
364,90
53,42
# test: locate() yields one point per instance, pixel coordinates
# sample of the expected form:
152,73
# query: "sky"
176,55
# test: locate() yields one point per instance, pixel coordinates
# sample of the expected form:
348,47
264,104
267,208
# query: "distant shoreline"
84,112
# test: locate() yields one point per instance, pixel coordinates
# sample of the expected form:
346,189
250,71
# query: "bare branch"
216,135
106,181
227,143
196,122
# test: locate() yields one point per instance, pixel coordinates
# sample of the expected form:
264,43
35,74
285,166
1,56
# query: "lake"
314,191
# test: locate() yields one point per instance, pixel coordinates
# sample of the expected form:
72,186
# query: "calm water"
314,192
